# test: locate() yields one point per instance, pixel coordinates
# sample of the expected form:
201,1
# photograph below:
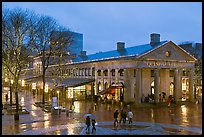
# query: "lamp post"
23,84
58,101
11,83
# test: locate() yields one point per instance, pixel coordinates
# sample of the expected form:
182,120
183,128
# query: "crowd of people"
124,116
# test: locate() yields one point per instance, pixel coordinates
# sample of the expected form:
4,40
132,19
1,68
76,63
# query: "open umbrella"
86,115
93,117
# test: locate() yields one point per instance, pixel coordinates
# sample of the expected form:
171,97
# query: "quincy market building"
122,75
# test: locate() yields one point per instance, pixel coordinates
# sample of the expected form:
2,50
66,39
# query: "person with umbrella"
93,121
88,123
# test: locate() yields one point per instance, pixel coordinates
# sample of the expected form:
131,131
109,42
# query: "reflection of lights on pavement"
33,107
183,109
33,112
152,114
22,101
47,124
184,113
58,132
22,126
45,117
76,107
71,131
34,125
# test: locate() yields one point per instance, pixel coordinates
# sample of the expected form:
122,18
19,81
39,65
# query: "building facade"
127,74
195,49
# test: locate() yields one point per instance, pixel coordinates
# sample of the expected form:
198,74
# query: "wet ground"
183,119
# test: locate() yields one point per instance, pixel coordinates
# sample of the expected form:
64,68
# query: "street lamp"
12,81
23,84
6,80
11,92
58,101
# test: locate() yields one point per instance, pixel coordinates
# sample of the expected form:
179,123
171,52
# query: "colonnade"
134,92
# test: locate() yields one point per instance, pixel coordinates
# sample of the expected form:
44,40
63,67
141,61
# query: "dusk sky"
103,24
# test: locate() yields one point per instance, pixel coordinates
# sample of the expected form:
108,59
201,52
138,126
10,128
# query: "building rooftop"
129,51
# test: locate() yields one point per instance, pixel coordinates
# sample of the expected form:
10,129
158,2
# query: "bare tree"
15,48
50,41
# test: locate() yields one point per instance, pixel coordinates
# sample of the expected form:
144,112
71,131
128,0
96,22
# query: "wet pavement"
184,119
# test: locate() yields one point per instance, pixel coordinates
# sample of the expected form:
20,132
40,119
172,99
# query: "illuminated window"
171,88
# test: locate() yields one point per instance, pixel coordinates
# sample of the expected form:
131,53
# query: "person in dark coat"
116,118
6,97
88,123
124,117
121,115
93,121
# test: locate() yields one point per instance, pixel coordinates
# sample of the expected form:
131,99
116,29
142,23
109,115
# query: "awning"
66,82
117,85
75,82
107,91
111,90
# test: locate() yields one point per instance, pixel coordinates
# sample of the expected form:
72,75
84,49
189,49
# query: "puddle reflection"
184,113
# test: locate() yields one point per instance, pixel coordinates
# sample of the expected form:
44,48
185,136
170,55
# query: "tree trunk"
16,115
43,97
10,93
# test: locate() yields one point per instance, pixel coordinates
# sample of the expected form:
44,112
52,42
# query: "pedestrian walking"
124,117
88,123
130,116
6,96
116,118
121,116
93,121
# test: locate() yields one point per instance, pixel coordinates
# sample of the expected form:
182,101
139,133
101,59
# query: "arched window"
113,72
121,71
171,90
105,72
99,86
99,72
106,85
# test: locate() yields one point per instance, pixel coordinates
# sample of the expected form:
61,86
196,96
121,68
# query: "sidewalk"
182,119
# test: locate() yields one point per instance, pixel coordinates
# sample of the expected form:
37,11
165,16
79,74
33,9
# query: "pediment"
168,52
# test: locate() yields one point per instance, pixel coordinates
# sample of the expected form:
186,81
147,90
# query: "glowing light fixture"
33,85
6,80
23,83
46,87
